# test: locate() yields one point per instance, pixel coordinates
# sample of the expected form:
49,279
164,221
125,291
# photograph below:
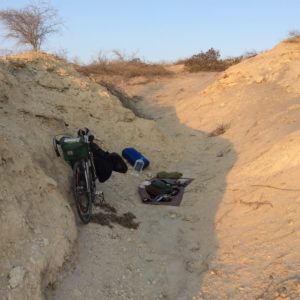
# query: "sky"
167,30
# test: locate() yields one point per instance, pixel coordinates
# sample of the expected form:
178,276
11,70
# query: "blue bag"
131,155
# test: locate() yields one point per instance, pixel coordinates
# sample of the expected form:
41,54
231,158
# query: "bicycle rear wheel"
82,191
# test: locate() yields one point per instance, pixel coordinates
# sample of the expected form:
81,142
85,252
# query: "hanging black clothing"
106,162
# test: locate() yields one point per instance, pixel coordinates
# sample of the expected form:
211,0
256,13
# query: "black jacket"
106,162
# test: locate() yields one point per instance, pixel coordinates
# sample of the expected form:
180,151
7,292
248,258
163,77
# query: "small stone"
114,236
173,216
43,242
220,154
16,276
259,79
282,291
129,117
37,231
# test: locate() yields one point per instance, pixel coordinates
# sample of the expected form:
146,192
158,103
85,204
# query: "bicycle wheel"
82,191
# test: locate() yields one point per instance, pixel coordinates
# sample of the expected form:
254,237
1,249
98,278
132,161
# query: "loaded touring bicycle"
76,151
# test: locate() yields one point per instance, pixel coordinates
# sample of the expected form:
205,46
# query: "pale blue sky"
169,29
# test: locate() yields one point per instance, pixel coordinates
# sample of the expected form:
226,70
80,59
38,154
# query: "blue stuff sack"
131,155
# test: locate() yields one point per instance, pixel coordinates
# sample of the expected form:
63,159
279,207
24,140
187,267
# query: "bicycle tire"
82,192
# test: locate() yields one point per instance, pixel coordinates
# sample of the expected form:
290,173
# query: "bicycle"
77,152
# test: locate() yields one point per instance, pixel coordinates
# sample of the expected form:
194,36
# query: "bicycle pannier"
74,148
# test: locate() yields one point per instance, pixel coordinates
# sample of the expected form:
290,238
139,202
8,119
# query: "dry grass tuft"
120,65
220,129
127,69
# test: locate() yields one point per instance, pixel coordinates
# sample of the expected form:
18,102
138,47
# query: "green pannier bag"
74,148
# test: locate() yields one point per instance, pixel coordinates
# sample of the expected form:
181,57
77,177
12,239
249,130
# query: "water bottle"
138,167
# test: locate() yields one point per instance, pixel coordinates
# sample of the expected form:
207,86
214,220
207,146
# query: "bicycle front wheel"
82,191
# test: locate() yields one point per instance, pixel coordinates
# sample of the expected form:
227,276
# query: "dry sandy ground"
236,234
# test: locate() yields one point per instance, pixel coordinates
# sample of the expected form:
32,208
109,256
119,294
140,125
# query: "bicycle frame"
89,165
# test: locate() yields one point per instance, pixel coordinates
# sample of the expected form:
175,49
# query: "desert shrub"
122,65
31,25
209,61
293,37
249,54
126,69
293,33
61,54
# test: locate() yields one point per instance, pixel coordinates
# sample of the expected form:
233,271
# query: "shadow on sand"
169,254
191,235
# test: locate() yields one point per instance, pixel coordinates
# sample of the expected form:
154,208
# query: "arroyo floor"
167,255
